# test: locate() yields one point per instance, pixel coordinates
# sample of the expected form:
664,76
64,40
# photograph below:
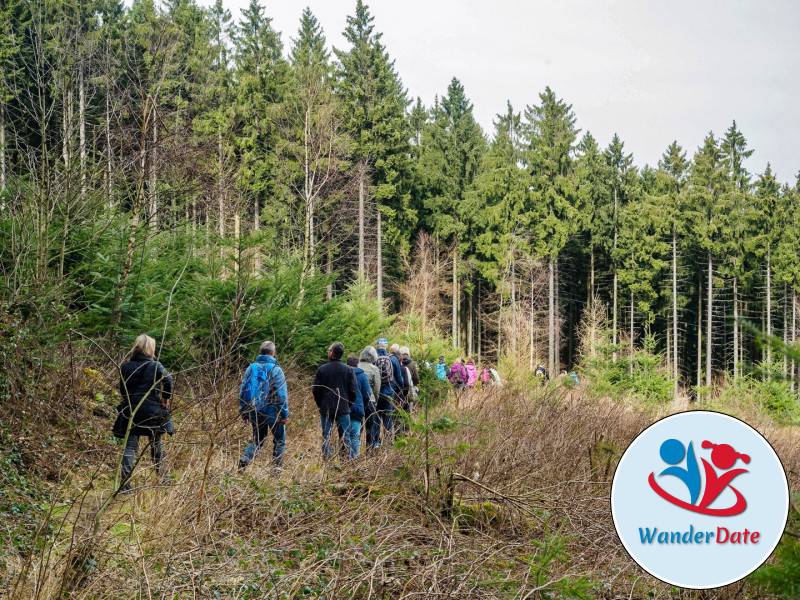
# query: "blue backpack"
256,388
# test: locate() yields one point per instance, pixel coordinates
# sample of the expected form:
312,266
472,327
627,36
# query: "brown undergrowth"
495,494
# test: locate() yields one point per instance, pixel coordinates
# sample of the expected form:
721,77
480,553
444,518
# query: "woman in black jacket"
146,389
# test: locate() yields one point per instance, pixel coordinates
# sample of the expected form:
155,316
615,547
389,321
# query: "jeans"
342,426
262,425
129,456
355,438
385,417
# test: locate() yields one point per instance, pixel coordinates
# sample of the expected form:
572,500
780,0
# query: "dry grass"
516,506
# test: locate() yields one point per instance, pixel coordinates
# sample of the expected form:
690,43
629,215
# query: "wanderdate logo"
699,499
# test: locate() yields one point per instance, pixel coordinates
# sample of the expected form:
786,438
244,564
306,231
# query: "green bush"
641,376
750,393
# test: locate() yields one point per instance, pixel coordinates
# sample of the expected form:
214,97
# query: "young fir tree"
549,134
374,108
706,189
673,170
622,180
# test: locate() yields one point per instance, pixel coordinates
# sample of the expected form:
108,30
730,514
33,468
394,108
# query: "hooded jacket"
363,394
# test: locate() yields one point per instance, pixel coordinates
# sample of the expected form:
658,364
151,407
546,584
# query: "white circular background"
699,566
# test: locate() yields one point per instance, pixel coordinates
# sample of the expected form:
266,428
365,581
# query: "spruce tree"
549,134
374,105
769,216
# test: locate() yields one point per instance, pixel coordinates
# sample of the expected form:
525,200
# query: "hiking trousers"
129,456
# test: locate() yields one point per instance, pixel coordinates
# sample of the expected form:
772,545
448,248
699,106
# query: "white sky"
651,70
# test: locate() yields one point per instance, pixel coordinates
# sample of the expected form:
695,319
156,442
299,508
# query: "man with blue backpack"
264,403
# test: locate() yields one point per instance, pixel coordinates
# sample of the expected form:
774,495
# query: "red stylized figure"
724,457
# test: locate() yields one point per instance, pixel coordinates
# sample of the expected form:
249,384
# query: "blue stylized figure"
673,453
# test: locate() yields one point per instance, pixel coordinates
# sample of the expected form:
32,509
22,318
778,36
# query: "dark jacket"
363,394
334,388
146,389
412,367
392,390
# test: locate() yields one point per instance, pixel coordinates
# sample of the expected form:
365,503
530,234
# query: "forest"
169,169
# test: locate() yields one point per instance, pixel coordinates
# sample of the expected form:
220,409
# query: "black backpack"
384,364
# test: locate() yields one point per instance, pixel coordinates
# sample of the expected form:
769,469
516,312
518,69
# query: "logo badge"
699,499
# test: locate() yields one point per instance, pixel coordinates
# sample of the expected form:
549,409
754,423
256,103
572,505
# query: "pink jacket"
472,375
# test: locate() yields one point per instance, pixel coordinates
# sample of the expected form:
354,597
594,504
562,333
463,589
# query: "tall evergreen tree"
374,105
549,134
770,217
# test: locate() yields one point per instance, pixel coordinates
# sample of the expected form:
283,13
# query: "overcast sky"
653,71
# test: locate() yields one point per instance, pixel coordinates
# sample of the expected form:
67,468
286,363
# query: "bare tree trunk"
329,270
237,246
154,175
454,322
769,307
551,318
479,323
2,151
531,340
82,128
616,284
590,299
785,331
256,229
735,329
361,264
631,334
674,314
794,338
470,340
108,174
379,233
709,323
699,330
220,189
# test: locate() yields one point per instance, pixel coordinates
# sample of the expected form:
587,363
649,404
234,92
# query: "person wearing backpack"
472,373
458,375
364,397
486,377
264,403
145,388
441,369
392,383
334,391
368,358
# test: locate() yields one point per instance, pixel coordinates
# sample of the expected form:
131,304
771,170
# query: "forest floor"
503,494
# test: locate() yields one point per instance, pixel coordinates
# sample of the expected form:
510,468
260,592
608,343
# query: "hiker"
411,388
264,403
145,387
486,377
334,390
441,369
357,408
472,373
392,383
368,358
541,374
495,377
458,375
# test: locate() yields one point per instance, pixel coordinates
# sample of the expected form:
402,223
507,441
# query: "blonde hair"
144,344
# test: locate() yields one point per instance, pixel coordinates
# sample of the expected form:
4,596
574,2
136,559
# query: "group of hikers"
362,393
464,374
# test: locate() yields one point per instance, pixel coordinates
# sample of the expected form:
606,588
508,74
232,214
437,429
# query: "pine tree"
620,165
593,176
674,168
260,76
769,215
706,188
549,134
374,107
314,140
736,217
452,147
